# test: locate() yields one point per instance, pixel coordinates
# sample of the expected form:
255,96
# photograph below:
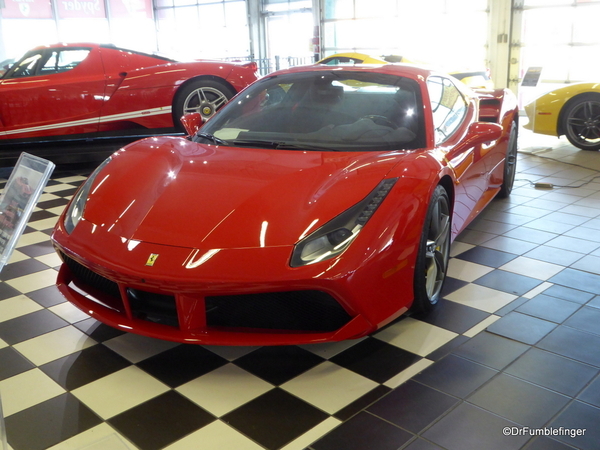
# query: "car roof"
405,70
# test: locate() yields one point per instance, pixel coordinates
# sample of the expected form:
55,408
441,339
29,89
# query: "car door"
52,91
451,111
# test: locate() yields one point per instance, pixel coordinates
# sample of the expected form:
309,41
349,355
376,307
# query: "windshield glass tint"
323,110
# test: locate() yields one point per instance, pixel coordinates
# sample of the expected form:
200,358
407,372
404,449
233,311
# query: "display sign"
21,193
81,9
130,9
27,9
532,77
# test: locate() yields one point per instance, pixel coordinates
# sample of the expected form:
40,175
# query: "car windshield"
322,110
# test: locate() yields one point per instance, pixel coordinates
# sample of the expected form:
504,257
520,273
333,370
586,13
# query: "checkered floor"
515,343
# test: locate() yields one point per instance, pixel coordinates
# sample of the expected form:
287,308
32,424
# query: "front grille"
294,311
157,308
92,279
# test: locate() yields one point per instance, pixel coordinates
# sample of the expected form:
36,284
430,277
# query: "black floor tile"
549,308
591,394
552,371
278,364
471,428
54,203
519,401
413,406
7,291
575,344
97,330
364,431
421,444
511,306
66,193
586,319
447,348
491,350
47,297
521,327
181,364
580,416
81,368
38,249
375,359
150,428
274,418
545,443
451,285
48,423
577,279
22,268
41,215
573,295
362,403
454,317
487,256
455,376
12,363
509,282
29,326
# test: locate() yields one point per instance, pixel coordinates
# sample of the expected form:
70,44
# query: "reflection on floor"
515,343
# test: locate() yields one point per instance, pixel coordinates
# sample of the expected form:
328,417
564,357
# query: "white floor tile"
224,389
415,336
101,437
34,281
215,436
329,387
119,391
27,389
532,268
481,297
16,307
466,271
136,348
56,344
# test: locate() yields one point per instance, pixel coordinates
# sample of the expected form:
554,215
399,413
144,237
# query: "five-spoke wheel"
202,96
581,121
434,252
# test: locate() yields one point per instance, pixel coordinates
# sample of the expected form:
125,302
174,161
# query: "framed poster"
21,193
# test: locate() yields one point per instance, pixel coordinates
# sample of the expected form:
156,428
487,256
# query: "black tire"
580,121
434,253
203,96
510,163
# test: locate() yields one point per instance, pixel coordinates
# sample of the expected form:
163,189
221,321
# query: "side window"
63,60
26,67
448,106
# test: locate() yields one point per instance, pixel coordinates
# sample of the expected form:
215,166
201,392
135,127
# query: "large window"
202,29
449,33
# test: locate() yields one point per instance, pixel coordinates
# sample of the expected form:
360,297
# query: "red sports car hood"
174,192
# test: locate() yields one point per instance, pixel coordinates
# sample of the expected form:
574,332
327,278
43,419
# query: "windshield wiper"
279,145
212,138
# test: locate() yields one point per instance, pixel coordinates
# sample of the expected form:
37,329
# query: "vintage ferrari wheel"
434,253
581,121
510,163
203,96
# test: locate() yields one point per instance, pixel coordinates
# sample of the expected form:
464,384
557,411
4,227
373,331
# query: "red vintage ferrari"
318,205
87,90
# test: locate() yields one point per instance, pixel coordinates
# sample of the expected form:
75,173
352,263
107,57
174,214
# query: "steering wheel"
381,120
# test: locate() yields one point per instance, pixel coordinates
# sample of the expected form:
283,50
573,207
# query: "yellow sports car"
572,110
478,79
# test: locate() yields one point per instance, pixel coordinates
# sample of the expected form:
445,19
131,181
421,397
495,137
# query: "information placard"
21,193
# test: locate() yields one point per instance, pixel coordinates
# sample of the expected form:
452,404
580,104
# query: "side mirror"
484,133
192,122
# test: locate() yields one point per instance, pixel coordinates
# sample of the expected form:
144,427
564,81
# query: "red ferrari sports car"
82,90
318,205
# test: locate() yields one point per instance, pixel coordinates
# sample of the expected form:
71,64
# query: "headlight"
77,205
336,235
